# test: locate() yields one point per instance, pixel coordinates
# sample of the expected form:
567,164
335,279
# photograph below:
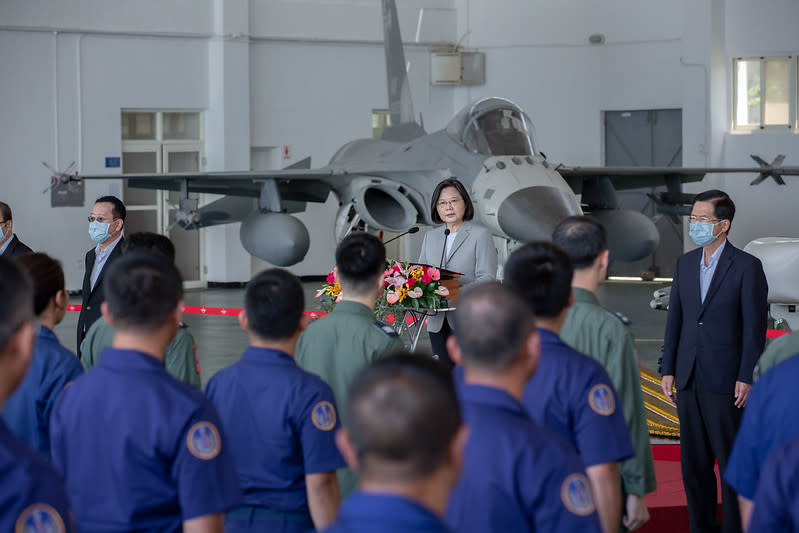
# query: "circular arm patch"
323,416
203,441
601,400
39,518
576,495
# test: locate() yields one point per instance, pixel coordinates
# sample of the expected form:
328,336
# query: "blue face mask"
702,233
2,233
98,231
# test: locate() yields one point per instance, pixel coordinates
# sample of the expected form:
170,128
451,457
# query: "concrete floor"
220,340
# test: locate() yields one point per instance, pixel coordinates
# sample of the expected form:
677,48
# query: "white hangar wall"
68,70
307,74
656,55
62,95
761,28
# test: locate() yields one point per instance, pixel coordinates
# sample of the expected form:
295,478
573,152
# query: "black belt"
262,514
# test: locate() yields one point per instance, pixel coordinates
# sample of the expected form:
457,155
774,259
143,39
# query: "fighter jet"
387,183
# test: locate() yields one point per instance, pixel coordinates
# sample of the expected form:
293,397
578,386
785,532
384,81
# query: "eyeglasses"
705,220
449,203
100,219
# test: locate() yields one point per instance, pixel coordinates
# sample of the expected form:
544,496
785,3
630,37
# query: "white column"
228,129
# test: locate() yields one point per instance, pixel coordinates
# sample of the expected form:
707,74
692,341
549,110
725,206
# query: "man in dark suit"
10,245
715,331
105,228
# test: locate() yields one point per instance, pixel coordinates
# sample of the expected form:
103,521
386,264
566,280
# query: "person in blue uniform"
27,411
32,493
517,476
571,393
405,437
776,506
769,420
280,420
606,336
140,450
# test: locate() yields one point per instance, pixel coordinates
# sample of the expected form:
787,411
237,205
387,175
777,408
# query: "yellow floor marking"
662,413
657,394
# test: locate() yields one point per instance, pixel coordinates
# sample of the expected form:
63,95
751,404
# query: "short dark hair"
274,302
723,206
47,276
118,208
148,242
360,259
5,212
582,238
403,409
492,326
142,290
16,304
541,273
451,182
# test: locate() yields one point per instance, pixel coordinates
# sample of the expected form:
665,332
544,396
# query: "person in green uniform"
605,336
180,359
777,351
338,346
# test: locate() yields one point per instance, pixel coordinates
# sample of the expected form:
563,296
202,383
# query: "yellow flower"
403,292
417,273
334,289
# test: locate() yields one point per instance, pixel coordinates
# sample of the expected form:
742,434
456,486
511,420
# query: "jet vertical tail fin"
403,125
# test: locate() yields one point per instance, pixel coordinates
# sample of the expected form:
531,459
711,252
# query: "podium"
451,280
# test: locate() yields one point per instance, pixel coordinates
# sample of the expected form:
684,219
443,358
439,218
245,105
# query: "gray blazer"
473,254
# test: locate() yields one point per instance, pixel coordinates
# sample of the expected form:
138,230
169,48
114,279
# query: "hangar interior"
240,84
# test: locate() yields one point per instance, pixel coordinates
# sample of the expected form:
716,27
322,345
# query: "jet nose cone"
531,214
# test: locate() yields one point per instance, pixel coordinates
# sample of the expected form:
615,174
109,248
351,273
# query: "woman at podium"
461,246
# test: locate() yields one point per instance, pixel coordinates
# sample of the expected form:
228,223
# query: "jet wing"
304,185
639,177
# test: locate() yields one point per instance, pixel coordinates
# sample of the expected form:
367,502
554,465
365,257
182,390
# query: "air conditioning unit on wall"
454,67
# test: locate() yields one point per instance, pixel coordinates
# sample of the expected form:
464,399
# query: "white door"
188,242
143,205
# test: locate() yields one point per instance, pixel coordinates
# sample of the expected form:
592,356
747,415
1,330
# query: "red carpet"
667,508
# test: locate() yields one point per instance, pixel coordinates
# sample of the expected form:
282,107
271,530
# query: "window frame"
791,125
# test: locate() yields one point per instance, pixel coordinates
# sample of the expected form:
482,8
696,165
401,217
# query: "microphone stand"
411,230
444,301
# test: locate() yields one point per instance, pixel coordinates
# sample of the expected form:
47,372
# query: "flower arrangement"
405,285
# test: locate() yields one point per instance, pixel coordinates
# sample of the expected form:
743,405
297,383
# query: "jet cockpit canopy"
493,126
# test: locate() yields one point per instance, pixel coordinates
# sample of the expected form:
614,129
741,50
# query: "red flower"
331,278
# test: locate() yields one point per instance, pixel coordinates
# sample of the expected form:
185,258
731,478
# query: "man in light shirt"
106,222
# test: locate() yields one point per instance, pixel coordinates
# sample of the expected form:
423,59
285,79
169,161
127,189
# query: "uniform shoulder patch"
39,517
203,441
385,328
323,416
576,495
601,400
620,317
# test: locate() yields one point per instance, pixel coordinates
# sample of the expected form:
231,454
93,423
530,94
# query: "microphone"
444,250
414,229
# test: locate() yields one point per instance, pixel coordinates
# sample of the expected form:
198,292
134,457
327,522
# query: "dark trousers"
438,343
253,518
708,424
